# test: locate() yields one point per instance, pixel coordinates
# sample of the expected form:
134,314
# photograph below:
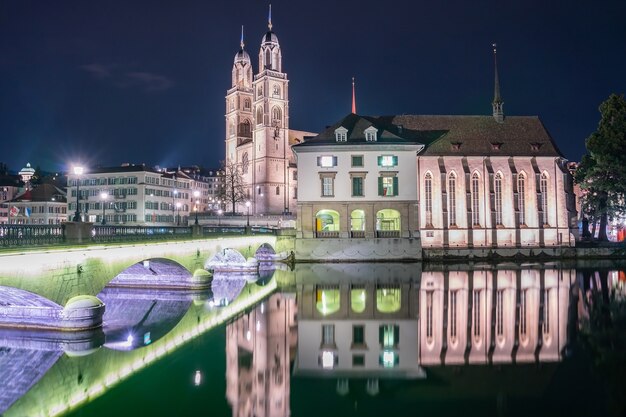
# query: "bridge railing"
116,233
46,235
15,235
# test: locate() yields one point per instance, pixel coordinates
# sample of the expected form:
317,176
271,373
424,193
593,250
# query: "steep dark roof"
388,133
483,136
43,192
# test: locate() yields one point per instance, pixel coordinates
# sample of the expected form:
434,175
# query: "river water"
503,339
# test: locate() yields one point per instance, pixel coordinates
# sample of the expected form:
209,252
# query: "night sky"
143,81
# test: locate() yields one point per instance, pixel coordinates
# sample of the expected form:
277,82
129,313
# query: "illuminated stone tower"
258,136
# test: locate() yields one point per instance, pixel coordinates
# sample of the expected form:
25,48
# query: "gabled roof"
483,135
388,133
43,192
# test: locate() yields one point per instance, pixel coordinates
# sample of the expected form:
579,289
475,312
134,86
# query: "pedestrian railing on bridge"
30,235
46,235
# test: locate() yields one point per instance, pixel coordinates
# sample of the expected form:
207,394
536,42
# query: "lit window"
388,186
498,199
452,199
428,198
328,186
521,200
387,160
389,335
543,188
389,359
475,200
326,161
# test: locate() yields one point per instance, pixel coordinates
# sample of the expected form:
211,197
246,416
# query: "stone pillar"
77,233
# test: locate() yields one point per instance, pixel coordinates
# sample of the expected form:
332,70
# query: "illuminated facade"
258,137
259,349
464,182
136,195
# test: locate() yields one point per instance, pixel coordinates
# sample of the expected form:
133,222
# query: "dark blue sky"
144,80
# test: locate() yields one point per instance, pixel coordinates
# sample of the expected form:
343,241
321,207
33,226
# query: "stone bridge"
77,274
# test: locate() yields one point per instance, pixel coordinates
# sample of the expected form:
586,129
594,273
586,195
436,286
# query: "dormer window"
370,134
341,134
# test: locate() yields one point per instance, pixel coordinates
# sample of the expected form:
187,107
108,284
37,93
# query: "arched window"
276,90
268,58
327,221
543,189
244,163
246,104
277,116
357,299
259,115
327,299
452,199
498,199
428,198
244,129
521,198
357,220
388,220
475,199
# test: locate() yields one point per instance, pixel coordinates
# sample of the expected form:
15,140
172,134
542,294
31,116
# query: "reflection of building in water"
358,328
389,326
498,316
258,358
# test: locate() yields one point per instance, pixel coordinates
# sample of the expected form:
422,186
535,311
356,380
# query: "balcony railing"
387,233
327,234
357,233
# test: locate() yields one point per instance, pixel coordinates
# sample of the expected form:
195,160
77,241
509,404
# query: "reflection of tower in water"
259,348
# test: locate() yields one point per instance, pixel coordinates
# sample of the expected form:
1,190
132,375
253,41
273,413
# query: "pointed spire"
353,98
269,18
497,104
241,41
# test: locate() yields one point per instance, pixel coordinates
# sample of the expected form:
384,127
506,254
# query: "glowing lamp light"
248,335
328,359
197,379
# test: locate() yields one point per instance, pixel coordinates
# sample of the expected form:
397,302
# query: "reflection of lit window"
328,335
388,300
389,335
476,316
389,359
358,335
546,315
328,360
327,300
357,300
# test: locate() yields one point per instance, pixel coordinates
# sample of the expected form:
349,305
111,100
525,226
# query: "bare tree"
233,188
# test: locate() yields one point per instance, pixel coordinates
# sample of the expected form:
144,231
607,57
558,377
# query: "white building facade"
134,195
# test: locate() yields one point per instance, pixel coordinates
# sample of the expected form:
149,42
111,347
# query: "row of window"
356,161
95,192
387,184
523,329
475,200
166,193
388,338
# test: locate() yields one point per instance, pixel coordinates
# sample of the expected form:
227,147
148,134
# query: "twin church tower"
258,137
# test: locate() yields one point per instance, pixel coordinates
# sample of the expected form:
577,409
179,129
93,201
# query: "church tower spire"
497,104
353,98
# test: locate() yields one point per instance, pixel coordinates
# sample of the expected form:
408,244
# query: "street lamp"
219,217
178,213
104,196
78,171
248,215
196,194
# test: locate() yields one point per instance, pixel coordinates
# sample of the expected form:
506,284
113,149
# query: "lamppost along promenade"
178,213
248,214
104,196
78,171
219,217
196,194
